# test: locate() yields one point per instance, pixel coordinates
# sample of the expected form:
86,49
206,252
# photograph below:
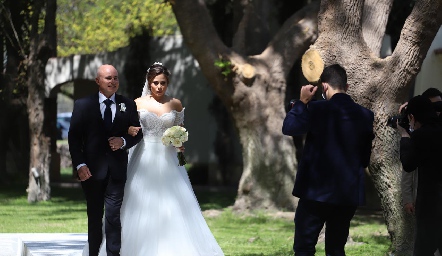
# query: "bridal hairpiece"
155,63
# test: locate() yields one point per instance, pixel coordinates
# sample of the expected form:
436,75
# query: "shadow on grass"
215,198
208,197
368,216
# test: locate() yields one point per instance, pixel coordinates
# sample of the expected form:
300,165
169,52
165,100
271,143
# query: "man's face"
107,80
436,99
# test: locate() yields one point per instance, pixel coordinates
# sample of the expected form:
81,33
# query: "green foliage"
94,26
225,66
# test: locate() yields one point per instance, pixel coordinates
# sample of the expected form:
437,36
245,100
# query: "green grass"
238,235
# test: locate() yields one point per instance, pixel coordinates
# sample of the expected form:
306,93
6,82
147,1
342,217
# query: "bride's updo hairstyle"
156,69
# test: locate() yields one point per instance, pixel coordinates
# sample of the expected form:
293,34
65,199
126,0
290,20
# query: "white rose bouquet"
176,136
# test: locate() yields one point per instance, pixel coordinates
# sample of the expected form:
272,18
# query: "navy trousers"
311,216
104,197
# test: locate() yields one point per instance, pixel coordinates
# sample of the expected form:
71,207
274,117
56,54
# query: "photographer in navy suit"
330,178
98,141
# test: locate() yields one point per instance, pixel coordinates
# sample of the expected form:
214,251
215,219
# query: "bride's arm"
133,130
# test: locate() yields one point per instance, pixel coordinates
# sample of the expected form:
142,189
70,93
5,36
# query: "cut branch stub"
312,65
246,73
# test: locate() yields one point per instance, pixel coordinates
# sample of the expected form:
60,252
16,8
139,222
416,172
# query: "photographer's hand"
307,93
402,107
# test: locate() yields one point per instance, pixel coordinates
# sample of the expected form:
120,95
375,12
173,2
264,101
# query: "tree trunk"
269,163
254,93
41,48
381,85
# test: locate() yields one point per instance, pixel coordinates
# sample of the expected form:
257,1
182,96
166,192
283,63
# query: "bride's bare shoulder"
176,104
142,102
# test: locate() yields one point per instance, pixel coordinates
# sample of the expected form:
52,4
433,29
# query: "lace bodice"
154,125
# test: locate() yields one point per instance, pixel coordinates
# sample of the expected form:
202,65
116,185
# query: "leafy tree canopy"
91,26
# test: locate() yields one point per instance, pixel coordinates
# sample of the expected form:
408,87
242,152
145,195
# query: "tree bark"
381,85
41,49
374,23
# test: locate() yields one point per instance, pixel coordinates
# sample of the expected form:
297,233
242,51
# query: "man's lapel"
97,111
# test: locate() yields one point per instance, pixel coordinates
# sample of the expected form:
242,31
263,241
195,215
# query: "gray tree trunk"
254,93
42,47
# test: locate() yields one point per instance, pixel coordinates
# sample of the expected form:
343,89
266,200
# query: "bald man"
98,141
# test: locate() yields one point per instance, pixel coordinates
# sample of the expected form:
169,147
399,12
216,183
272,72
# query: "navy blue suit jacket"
88,139
337,149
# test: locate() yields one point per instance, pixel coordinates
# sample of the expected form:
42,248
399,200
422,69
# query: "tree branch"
418,32
202,39
374,23
294,37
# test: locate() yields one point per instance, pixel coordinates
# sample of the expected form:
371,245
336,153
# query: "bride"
160,214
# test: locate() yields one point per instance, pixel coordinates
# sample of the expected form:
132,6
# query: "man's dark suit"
330,177
88,144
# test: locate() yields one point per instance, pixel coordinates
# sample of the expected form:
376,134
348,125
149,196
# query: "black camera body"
401,119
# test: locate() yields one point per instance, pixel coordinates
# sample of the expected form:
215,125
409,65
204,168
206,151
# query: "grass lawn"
245,235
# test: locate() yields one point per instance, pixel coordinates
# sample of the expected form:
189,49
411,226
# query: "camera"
401,119
290,105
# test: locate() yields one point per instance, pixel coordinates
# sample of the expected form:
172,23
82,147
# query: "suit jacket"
336,151
88,139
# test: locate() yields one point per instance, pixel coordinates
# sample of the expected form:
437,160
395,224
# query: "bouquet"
176,136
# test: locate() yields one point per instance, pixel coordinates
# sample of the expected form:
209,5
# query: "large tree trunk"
381,85
41,48
254,93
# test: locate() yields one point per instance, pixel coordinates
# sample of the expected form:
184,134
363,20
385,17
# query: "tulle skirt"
160,215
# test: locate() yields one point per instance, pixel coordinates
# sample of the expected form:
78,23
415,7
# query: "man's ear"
346,88
97,80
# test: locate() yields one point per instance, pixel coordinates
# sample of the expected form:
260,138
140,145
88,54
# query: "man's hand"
115,143
409,208
84,173
307,93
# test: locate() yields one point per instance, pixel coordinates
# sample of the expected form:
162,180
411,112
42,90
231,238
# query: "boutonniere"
122,107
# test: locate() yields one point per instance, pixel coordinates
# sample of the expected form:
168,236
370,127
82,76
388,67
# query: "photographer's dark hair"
422,110
335,76
431,93
155,70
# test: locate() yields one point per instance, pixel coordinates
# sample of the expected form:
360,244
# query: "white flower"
122,107
175,135
177,143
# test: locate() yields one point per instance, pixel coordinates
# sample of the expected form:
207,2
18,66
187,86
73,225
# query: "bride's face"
158,86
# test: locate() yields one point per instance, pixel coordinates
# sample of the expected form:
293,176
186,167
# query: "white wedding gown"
160,215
